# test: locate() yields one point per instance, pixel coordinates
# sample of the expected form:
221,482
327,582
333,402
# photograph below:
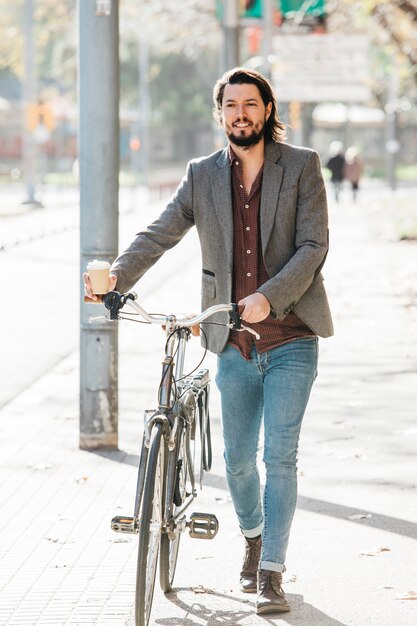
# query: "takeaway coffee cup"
98,272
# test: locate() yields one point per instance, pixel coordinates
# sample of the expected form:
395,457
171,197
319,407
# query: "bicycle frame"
169,414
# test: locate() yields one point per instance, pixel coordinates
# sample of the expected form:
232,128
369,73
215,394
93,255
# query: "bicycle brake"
235,319
114,301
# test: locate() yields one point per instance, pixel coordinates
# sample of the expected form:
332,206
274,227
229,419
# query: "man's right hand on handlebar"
89,296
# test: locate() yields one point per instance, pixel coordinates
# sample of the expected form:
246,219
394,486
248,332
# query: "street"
351,558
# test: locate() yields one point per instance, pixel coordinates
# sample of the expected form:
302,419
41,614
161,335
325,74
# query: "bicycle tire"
150,526
170,547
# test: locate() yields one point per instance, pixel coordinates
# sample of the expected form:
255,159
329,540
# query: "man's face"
244,114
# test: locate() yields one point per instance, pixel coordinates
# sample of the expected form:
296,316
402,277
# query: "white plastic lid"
98,265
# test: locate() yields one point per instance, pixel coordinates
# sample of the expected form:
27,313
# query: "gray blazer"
294,235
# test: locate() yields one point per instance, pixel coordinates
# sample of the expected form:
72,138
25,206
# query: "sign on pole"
321,68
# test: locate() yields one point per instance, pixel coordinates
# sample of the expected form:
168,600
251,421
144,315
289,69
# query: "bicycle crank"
203,525
124,524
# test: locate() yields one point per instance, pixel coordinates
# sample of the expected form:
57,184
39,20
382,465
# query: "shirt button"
241,186
246,206
237,162
247,251
248,274
247,227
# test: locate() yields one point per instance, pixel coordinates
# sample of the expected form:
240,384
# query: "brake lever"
93,318
236,322
250,330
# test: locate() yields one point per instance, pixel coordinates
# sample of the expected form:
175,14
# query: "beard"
245,141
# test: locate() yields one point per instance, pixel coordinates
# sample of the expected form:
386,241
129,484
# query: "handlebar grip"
90,301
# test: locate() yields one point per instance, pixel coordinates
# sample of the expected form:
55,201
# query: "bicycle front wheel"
150,526
170,546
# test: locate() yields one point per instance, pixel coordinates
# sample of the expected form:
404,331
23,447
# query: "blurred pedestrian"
260,209
353,169
336,165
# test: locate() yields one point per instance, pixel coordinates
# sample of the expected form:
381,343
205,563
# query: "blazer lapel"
271,184
222,195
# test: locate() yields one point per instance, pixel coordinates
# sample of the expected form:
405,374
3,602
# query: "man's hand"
256,309
92,297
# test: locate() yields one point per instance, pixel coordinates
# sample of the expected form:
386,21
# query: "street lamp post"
29,102
231,33
99,187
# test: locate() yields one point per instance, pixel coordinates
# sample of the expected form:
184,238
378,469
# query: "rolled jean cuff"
254,532
272,567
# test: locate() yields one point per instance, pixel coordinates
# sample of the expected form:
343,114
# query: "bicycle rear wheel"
170,546
150,526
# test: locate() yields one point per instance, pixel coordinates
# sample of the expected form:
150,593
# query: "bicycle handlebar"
114,302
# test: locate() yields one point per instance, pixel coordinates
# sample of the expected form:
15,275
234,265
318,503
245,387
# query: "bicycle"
166,482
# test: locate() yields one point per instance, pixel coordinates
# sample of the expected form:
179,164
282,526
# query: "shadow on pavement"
383,522
301,614
118,456
332,509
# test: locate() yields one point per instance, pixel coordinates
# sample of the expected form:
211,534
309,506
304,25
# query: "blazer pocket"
208,285
286,188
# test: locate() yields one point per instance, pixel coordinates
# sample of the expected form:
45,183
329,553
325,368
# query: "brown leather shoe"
271,597
250,564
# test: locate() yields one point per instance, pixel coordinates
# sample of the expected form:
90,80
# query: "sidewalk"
352,551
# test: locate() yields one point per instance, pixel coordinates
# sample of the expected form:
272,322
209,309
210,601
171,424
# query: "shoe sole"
250,590
272,609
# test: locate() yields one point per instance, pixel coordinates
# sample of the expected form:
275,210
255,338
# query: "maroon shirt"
249,271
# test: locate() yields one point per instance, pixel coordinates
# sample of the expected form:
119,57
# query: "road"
40,281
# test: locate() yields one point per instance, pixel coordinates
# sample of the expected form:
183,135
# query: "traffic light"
251,8
308,16
39,114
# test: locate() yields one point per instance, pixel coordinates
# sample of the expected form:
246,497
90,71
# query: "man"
260,210
336,164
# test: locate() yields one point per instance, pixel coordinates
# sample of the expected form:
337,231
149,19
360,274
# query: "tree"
391,24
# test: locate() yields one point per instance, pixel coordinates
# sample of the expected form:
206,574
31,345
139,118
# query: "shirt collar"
232,155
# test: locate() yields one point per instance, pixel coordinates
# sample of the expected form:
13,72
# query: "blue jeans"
277,385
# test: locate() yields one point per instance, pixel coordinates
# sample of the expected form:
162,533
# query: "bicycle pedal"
203,525
124,524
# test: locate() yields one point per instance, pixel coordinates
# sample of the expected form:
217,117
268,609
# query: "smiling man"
260,210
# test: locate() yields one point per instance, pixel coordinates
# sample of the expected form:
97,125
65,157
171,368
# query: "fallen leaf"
360,516
291,579
81,480
201,589
377,551
201,558
408,595
40,466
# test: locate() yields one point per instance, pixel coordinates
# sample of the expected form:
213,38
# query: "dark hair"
275,130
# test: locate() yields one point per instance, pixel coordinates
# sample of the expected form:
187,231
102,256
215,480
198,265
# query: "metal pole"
231,34
144,104
267,39
98,73
29,100
392,145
